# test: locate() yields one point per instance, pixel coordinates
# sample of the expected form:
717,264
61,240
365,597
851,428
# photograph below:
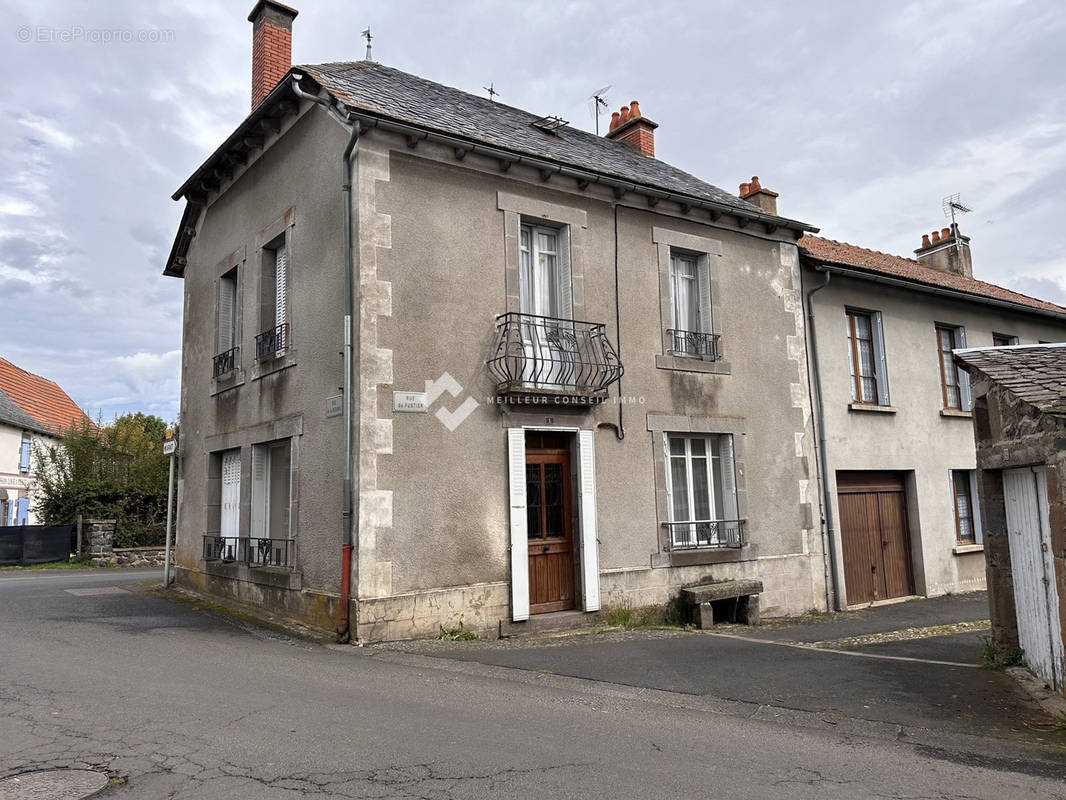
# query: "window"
273,338
866,353
24,454
1004,340
228,318
964,498
22,511
271,490
544,272
954,383
230,508
690,299
701,487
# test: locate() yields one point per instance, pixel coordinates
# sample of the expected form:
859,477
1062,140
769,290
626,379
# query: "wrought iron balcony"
251,550
552,361
693,343
706,534
272,343
226,362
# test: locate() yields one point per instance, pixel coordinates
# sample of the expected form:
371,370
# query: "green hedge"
140,518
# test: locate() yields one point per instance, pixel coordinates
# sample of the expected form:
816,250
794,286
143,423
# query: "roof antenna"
598,100
952,206
366,35
492,91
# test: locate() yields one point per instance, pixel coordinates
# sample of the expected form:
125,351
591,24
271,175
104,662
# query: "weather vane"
368,37
491,90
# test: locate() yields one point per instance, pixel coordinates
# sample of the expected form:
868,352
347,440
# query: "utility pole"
170,447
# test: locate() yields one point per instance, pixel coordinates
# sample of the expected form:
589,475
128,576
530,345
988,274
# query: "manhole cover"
53,784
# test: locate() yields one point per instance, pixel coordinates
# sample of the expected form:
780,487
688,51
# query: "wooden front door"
550,525
875,536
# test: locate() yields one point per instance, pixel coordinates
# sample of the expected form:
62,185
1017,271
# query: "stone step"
546,623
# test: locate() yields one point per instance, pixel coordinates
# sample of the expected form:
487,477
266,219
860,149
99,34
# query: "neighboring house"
577,374
900,460
32,409
1020,427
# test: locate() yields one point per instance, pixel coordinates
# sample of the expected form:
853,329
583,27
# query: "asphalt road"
187,704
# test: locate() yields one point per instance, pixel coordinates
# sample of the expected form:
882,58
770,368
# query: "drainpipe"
350,433
823,464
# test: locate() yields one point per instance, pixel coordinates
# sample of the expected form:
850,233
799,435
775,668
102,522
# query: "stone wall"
99,540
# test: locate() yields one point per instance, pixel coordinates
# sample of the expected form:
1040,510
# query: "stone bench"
728,601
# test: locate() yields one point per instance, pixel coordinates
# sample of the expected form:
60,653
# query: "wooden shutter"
231,495
260,493
728,477
23,515
963,376
563,275
880,363
281,293
703,278
516,468
227,289
24,454
590,553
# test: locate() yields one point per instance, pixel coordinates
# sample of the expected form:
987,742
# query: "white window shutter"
226,292
260,492
963,376
281,287
231,497
728,477
516,468
975,509
565,288
590,553
703,278
883,397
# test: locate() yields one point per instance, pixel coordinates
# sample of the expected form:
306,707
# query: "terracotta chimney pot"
925,240
936,237
624,113
755,185
945,233
634,109
616,120
745,189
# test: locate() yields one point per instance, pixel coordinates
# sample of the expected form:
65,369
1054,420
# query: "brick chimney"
633,128
755,194
271,46
946,250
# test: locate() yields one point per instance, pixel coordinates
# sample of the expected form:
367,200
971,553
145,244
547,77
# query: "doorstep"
555,622
891,601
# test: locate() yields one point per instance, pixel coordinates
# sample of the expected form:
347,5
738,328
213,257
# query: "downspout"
621,432
350,433
823,464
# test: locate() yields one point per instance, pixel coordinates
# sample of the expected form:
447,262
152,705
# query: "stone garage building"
1020,429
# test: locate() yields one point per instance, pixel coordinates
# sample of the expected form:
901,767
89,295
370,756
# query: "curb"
1047,698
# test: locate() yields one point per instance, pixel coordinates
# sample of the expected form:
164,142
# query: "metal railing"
694,343
272,343
251,550
706,534
555,356
226,362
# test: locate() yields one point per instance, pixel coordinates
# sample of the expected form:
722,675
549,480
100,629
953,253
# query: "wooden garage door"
874,533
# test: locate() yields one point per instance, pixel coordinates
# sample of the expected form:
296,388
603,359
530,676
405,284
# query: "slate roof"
841,253
1034,373
30,401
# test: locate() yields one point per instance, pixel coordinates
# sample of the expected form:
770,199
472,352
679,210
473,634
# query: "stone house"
900,483
1020,430
446,359
32,410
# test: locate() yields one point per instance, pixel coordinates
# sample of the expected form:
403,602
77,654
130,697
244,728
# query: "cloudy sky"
863,115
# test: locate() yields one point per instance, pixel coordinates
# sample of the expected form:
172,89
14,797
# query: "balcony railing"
226,362
251,550
694,343
555,360
706,534
272,343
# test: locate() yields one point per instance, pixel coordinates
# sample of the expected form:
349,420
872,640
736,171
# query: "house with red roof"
32,409
899,494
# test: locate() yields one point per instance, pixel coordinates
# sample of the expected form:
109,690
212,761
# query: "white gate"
1035,597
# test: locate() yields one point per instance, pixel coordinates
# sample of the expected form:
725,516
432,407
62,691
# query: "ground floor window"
963,491
271,489
701,485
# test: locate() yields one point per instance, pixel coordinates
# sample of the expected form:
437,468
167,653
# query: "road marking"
97,590
855,653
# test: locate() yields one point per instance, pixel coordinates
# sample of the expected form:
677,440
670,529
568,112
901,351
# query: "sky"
863,116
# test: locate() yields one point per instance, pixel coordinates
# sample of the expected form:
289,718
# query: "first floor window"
690,290
701,485
227,312
271,489
954,383
1004,340
24,453
963,485
866,351
274,301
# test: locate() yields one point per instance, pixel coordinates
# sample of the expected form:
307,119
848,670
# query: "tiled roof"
33,397
400,96
1034,373
841,253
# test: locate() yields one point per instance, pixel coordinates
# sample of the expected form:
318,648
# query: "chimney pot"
936,237
755,185
271,46
745,190
629,125
945,233
616,120
925,240
624,113
634,109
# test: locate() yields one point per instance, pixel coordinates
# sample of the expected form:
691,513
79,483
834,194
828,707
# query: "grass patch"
623,615
457,633
74,563
992,658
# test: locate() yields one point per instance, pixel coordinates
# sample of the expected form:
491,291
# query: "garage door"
875,536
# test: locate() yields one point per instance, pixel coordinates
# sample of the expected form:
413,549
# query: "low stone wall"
138,557
99,540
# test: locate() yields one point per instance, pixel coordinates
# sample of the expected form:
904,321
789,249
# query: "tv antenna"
952,206
491,90
366,35
598,100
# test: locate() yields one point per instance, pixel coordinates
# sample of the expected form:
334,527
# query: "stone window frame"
661,424
667,239
237,259
280,227
519,208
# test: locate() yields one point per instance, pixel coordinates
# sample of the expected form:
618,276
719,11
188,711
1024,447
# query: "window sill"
232,381
263,368
871,407
691,558
954,412
692,364
963,549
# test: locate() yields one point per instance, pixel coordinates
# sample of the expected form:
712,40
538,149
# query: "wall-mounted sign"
335,405
413,402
